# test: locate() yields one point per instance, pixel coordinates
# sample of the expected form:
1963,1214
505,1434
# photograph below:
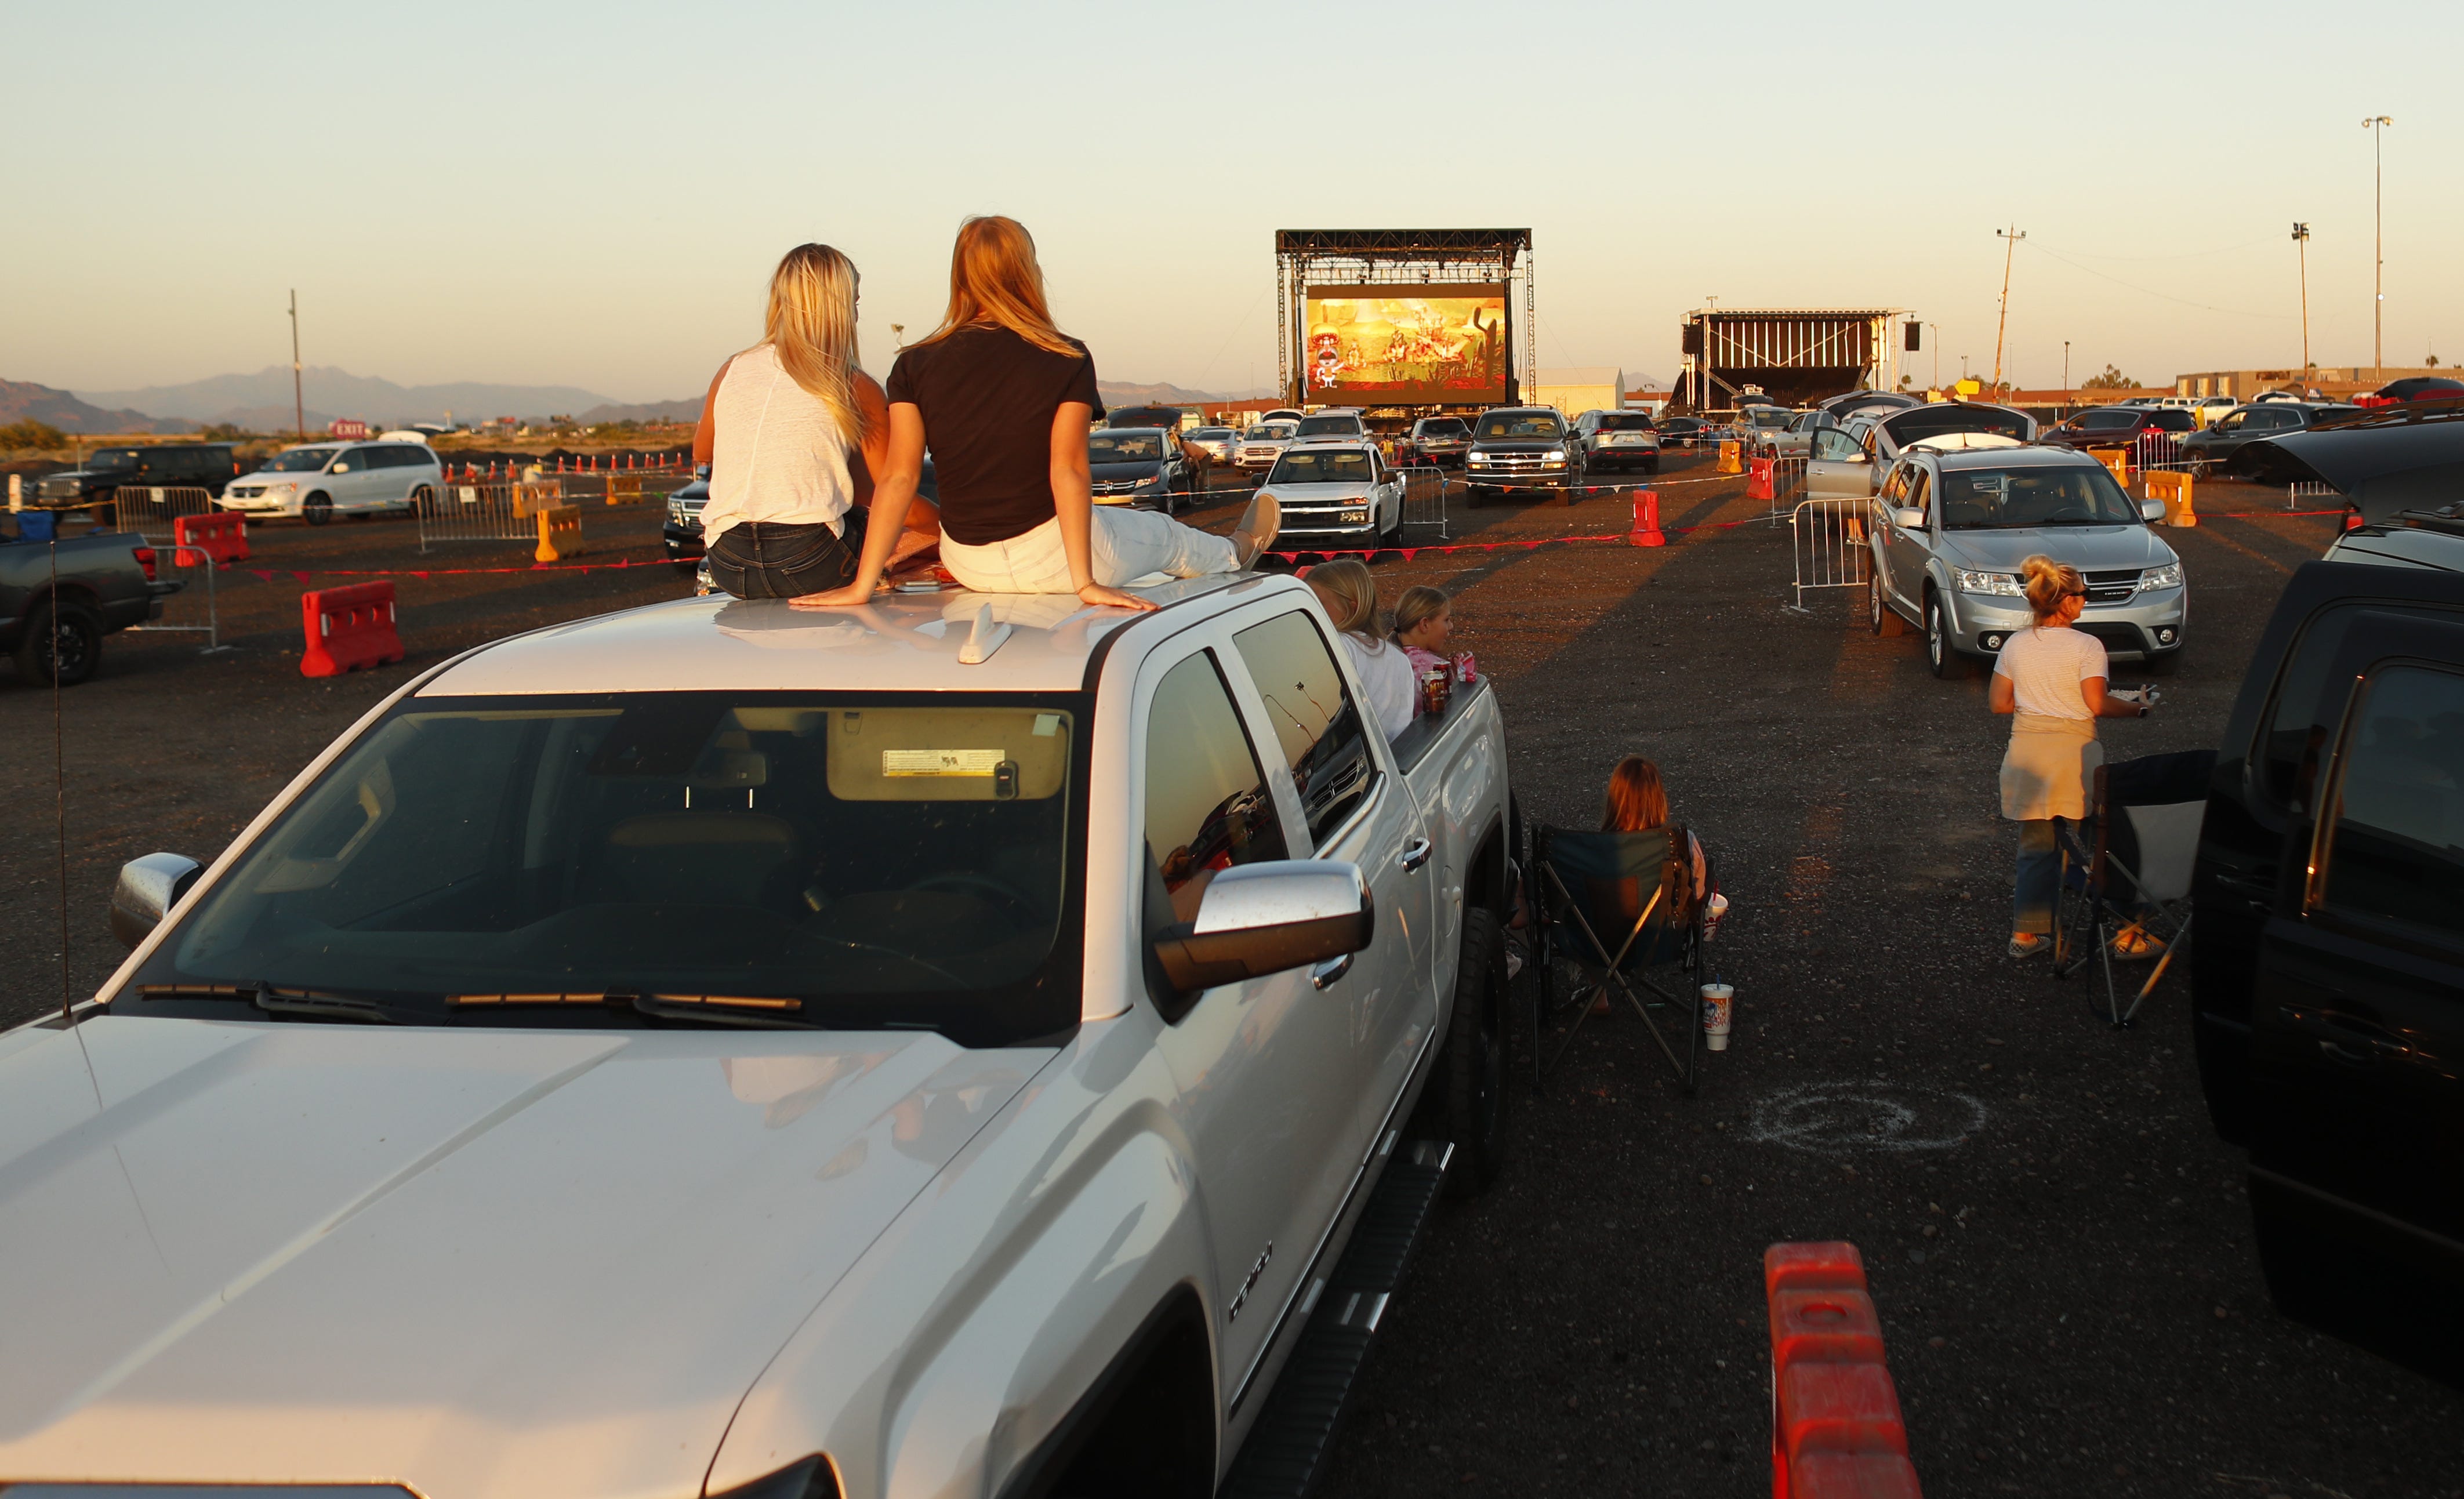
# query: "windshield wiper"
272,1001
760,1011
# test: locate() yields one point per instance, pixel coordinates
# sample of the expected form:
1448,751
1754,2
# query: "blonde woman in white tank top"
791,429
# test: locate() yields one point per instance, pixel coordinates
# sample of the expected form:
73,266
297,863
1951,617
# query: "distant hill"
686,410
22,400
1123,393
246,400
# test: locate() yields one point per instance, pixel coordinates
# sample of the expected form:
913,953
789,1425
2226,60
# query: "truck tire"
1467,1094
67,634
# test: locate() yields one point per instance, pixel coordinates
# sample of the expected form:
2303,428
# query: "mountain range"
22,400
263,400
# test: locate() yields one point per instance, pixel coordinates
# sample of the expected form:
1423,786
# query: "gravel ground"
2058,1243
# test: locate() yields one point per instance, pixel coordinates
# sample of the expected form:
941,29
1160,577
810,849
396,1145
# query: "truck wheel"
316,510
1469,1086
1474,497
67,638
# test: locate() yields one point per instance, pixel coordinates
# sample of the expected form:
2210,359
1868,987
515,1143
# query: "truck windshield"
299,460
850,861
1520,424
112,458
1322,466
2004,499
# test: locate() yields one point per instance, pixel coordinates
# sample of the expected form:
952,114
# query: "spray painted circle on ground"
1849,1118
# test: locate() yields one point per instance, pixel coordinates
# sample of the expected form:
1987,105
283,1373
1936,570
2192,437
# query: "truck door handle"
1329,970
2258,893
1415,854
2343,1038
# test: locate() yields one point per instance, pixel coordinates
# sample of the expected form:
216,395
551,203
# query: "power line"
2150,291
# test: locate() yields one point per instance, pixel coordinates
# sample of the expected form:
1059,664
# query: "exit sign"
347,430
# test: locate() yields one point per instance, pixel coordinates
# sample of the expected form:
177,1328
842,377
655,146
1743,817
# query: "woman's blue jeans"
2038,877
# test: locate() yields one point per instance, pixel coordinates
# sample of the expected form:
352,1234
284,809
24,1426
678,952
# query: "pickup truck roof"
903,643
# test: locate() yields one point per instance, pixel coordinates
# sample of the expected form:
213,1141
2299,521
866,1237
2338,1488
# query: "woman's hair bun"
2047,582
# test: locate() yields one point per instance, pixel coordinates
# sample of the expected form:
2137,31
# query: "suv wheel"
1886,621
67,638
317,509
1939,654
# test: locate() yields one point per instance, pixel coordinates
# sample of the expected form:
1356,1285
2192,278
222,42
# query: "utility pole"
2301,243
2376,125
298,404
2011,238
2066,376
1937,354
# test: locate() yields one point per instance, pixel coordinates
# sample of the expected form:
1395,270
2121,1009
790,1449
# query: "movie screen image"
1366,346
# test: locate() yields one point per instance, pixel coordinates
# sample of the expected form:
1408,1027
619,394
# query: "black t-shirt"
987,398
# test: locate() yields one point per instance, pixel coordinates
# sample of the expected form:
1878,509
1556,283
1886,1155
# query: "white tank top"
778,455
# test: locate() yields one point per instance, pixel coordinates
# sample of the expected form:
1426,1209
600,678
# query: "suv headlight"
2169,576
2006,584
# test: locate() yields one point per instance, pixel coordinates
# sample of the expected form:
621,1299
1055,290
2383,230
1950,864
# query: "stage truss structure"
1401,258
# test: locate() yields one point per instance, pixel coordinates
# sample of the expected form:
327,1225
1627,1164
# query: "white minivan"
321,480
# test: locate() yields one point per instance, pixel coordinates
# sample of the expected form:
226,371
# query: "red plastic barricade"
1758,480
348,628
220,539
1646,519
1836,1429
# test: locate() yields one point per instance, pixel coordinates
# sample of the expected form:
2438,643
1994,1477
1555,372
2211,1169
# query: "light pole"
298,404
2376,125
2301,243
1937,354
2009,238
2066,376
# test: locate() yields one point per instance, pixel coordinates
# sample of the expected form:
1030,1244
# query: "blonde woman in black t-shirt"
1005,398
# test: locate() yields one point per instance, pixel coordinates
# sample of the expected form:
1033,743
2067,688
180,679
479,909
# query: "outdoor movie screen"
1366,345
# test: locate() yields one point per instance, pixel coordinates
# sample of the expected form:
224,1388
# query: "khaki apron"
2049,767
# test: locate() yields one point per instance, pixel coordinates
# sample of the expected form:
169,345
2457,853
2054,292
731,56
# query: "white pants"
1122,544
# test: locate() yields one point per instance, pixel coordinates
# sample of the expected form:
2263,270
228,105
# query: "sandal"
1256,532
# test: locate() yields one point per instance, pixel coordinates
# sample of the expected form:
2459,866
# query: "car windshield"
1625,422
2003,499
1266,430
1125,447
112,458
1322,466
1919,423
1330,427
299,460
1767,415
1519,424
824,859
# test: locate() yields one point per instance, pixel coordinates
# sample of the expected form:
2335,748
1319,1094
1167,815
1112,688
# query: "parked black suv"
2224,446
1518,449
205,466
2328,991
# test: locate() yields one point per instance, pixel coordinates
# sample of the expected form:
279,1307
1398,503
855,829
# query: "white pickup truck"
971,1045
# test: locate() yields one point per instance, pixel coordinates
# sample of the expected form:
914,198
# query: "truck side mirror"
1266,917
148,888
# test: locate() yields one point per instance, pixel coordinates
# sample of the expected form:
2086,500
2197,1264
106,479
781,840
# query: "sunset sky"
594,194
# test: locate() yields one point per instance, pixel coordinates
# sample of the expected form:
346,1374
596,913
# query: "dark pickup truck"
2328,994
57,599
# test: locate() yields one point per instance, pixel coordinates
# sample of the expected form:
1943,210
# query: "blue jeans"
2038,877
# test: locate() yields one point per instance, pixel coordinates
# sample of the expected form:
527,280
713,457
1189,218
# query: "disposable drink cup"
1718,1001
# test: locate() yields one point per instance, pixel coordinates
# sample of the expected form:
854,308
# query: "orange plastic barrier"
2116,461
220,539
2174,490
1731,458
1646,519
348,628
1836,1429
1758,480
559,533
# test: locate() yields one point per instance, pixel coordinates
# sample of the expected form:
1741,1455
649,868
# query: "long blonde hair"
1350,595
994,277
810,328
2049,582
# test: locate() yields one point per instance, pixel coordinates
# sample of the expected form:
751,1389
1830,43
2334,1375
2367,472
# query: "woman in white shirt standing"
792,429
1350,595
2051,679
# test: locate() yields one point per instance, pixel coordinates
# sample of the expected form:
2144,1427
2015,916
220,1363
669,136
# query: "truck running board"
1287,1449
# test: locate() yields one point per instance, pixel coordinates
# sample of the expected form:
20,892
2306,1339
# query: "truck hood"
478,1262
2087,548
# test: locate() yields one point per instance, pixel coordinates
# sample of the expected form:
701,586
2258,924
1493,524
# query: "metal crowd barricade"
1828,538
150,511
485,512
1424,498
194,568
2311,495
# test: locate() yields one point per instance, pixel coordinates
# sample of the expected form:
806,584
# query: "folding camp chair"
2129,865
1598,900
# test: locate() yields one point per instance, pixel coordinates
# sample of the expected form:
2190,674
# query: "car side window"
1208,806
2396,850
2233,423
1320,728
1832,443
2299,718
1920,494
1894,488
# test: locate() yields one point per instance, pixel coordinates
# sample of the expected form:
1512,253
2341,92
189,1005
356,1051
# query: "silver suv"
1950,528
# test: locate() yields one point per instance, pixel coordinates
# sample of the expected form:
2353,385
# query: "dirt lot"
2058,1243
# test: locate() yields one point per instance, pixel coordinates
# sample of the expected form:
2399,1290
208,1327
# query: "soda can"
1436,691
1719,1000
1466,669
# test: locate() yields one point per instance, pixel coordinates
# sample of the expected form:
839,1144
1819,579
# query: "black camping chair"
2129,865
1604,903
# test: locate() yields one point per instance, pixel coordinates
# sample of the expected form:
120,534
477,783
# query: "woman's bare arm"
2103,706
1073,501
706,433
2001,696
894,492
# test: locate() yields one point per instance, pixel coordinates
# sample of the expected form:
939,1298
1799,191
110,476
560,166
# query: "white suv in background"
321,480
